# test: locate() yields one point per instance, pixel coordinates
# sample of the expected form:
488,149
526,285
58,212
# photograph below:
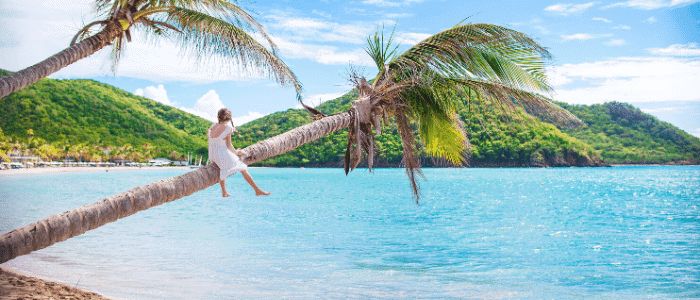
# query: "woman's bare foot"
226,195
261,193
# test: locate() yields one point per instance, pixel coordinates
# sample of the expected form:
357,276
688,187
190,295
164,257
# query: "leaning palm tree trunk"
21,79
60,227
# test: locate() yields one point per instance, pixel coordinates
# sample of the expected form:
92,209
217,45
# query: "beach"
80,169
14,285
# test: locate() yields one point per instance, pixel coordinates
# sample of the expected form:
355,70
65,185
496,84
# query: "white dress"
228,162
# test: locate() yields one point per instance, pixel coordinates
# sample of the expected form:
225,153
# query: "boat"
199,165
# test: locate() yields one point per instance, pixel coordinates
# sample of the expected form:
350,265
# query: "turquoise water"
571,233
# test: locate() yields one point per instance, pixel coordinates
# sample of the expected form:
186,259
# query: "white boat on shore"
199,165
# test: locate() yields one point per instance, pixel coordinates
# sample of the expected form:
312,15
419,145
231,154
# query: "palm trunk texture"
21,79
60,227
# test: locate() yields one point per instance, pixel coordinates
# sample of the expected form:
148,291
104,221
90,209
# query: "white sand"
81,169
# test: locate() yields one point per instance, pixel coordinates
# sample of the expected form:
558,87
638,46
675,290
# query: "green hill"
624,134
63,112
521,141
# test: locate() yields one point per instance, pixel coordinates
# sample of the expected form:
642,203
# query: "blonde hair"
224,115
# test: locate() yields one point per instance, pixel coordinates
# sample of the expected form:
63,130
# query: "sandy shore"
14,285
81,169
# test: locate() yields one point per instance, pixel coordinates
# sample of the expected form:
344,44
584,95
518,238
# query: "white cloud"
33,30
651,20
162,60
386,3
319,31
656,110
602,20
622,27
691,49
578,36
302,23
565,9
584,36
328,55
37,29
696,132
636,79
652,4
158,94
614,42
410,39
206,106
252,115
398,15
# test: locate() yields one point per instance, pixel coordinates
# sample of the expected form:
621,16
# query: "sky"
642,52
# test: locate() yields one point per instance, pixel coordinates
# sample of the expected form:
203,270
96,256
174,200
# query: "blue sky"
643,52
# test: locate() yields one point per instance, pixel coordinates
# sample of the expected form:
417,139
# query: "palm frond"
481,51
85,31
507,99
378,50
208,36
234,13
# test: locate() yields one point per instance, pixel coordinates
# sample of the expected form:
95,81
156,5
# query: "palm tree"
147,151
209,27
487,65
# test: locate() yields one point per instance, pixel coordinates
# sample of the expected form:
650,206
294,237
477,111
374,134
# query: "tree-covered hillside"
86,119
520,141
623,134
64,112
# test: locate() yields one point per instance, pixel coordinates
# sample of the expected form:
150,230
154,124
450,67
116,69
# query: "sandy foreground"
14,285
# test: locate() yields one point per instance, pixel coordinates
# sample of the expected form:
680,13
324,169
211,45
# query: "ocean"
554,233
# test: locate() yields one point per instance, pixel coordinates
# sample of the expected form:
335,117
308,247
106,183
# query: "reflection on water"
625,232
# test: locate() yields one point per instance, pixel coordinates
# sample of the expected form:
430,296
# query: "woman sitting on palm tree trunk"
222,153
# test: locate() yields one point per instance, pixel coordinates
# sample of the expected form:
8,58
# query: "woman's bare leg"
223,189
258,191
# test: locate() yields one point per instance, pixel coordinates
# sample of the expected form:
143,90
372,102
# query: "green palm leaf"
482,51
480,65
208,36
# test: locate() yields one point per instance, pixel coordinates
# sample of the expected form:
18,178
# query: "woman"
221,152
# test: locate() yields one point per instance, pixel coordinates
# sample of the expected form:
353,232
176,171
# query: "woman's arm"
229,145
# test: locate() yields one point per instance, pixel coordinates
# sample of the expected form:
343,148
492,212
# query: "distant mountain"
623,134
496,142
86,111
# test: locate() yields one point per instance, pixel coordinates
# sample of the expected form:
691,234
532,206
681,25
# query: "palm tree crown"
206,28
481,65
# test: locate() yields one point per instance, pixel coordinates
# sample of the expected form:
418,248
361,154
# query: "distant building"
24,160
180,163
159,162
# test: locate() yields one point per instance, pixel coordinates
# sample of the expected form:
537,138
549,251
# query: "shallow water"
570,233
